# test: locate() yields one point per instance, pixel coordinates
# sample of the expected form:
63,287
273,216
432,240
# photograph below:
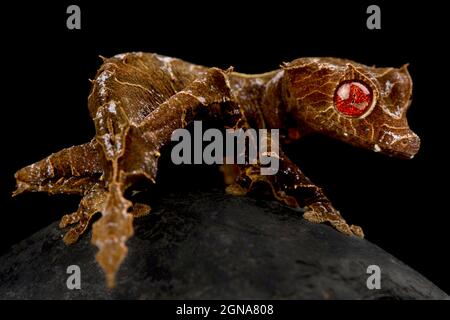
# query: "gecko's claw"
69,219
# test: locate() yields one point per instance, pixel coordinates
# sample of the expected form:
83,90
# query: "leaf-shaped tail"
112,231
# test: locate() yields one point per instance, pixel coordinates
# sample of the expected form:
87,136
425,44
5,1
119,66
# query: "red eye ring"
353,98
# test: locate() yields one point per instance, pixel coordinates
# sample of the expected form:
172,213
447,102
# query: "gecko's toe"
71,236
317,213
313,216
69,219
357,231
140,210
76,231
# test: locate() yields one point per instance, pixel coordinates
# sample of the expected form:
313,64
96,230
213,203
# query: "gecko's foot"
324,212
87,209
75,232
357,231
140,210
91,203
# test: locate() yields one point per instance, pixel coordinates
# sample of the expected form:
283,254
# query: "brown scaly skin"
138,99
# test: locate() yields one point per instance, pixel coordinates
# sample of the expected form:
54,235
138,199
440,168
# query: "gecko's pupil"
353,98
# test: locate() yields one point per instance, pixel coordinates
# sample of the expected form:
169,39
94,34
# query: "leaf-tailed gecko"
138,99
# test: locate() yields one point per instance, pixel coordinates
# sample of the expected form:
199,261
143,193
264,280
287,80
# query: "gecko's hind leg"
291,187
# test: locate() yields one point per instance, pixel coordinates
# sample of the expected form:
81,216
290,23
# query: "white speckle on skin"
120,56
376,148
112,107
98,114
201,99
167,64
396,137
118,144
276,78
191,68
259,81
50,172
398,112
346,134
165,59
107,143
101,81
388,86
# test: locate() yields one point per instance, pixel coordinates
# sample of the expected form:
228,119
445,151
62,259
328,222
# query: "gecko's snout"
410,145
23,180
402,146
30,177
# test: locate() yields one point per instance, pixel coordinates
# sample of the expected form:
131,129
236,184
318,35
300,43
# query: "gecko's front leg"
73,170
92,203
291,187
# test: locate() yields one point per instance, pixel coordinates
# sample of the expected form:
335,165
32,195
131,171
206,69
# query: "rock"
208,245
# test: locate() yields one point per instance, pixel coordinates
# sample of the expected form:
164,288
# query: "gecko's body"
137,100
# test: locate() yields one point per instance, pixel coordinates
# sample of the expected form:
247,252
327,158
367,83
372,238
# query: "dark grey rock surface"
213,246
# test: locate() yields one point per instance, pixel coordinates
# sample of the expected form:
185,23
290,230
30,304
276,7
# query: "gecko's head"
364,106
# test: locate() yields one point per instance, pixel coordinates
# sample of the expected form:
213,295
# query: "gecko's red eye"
353,98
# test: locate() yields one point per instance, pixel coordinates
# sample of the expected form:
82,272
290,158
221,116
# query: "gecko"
138,99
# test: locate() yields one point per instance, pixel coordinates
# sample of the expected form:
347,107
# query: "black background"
402,205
